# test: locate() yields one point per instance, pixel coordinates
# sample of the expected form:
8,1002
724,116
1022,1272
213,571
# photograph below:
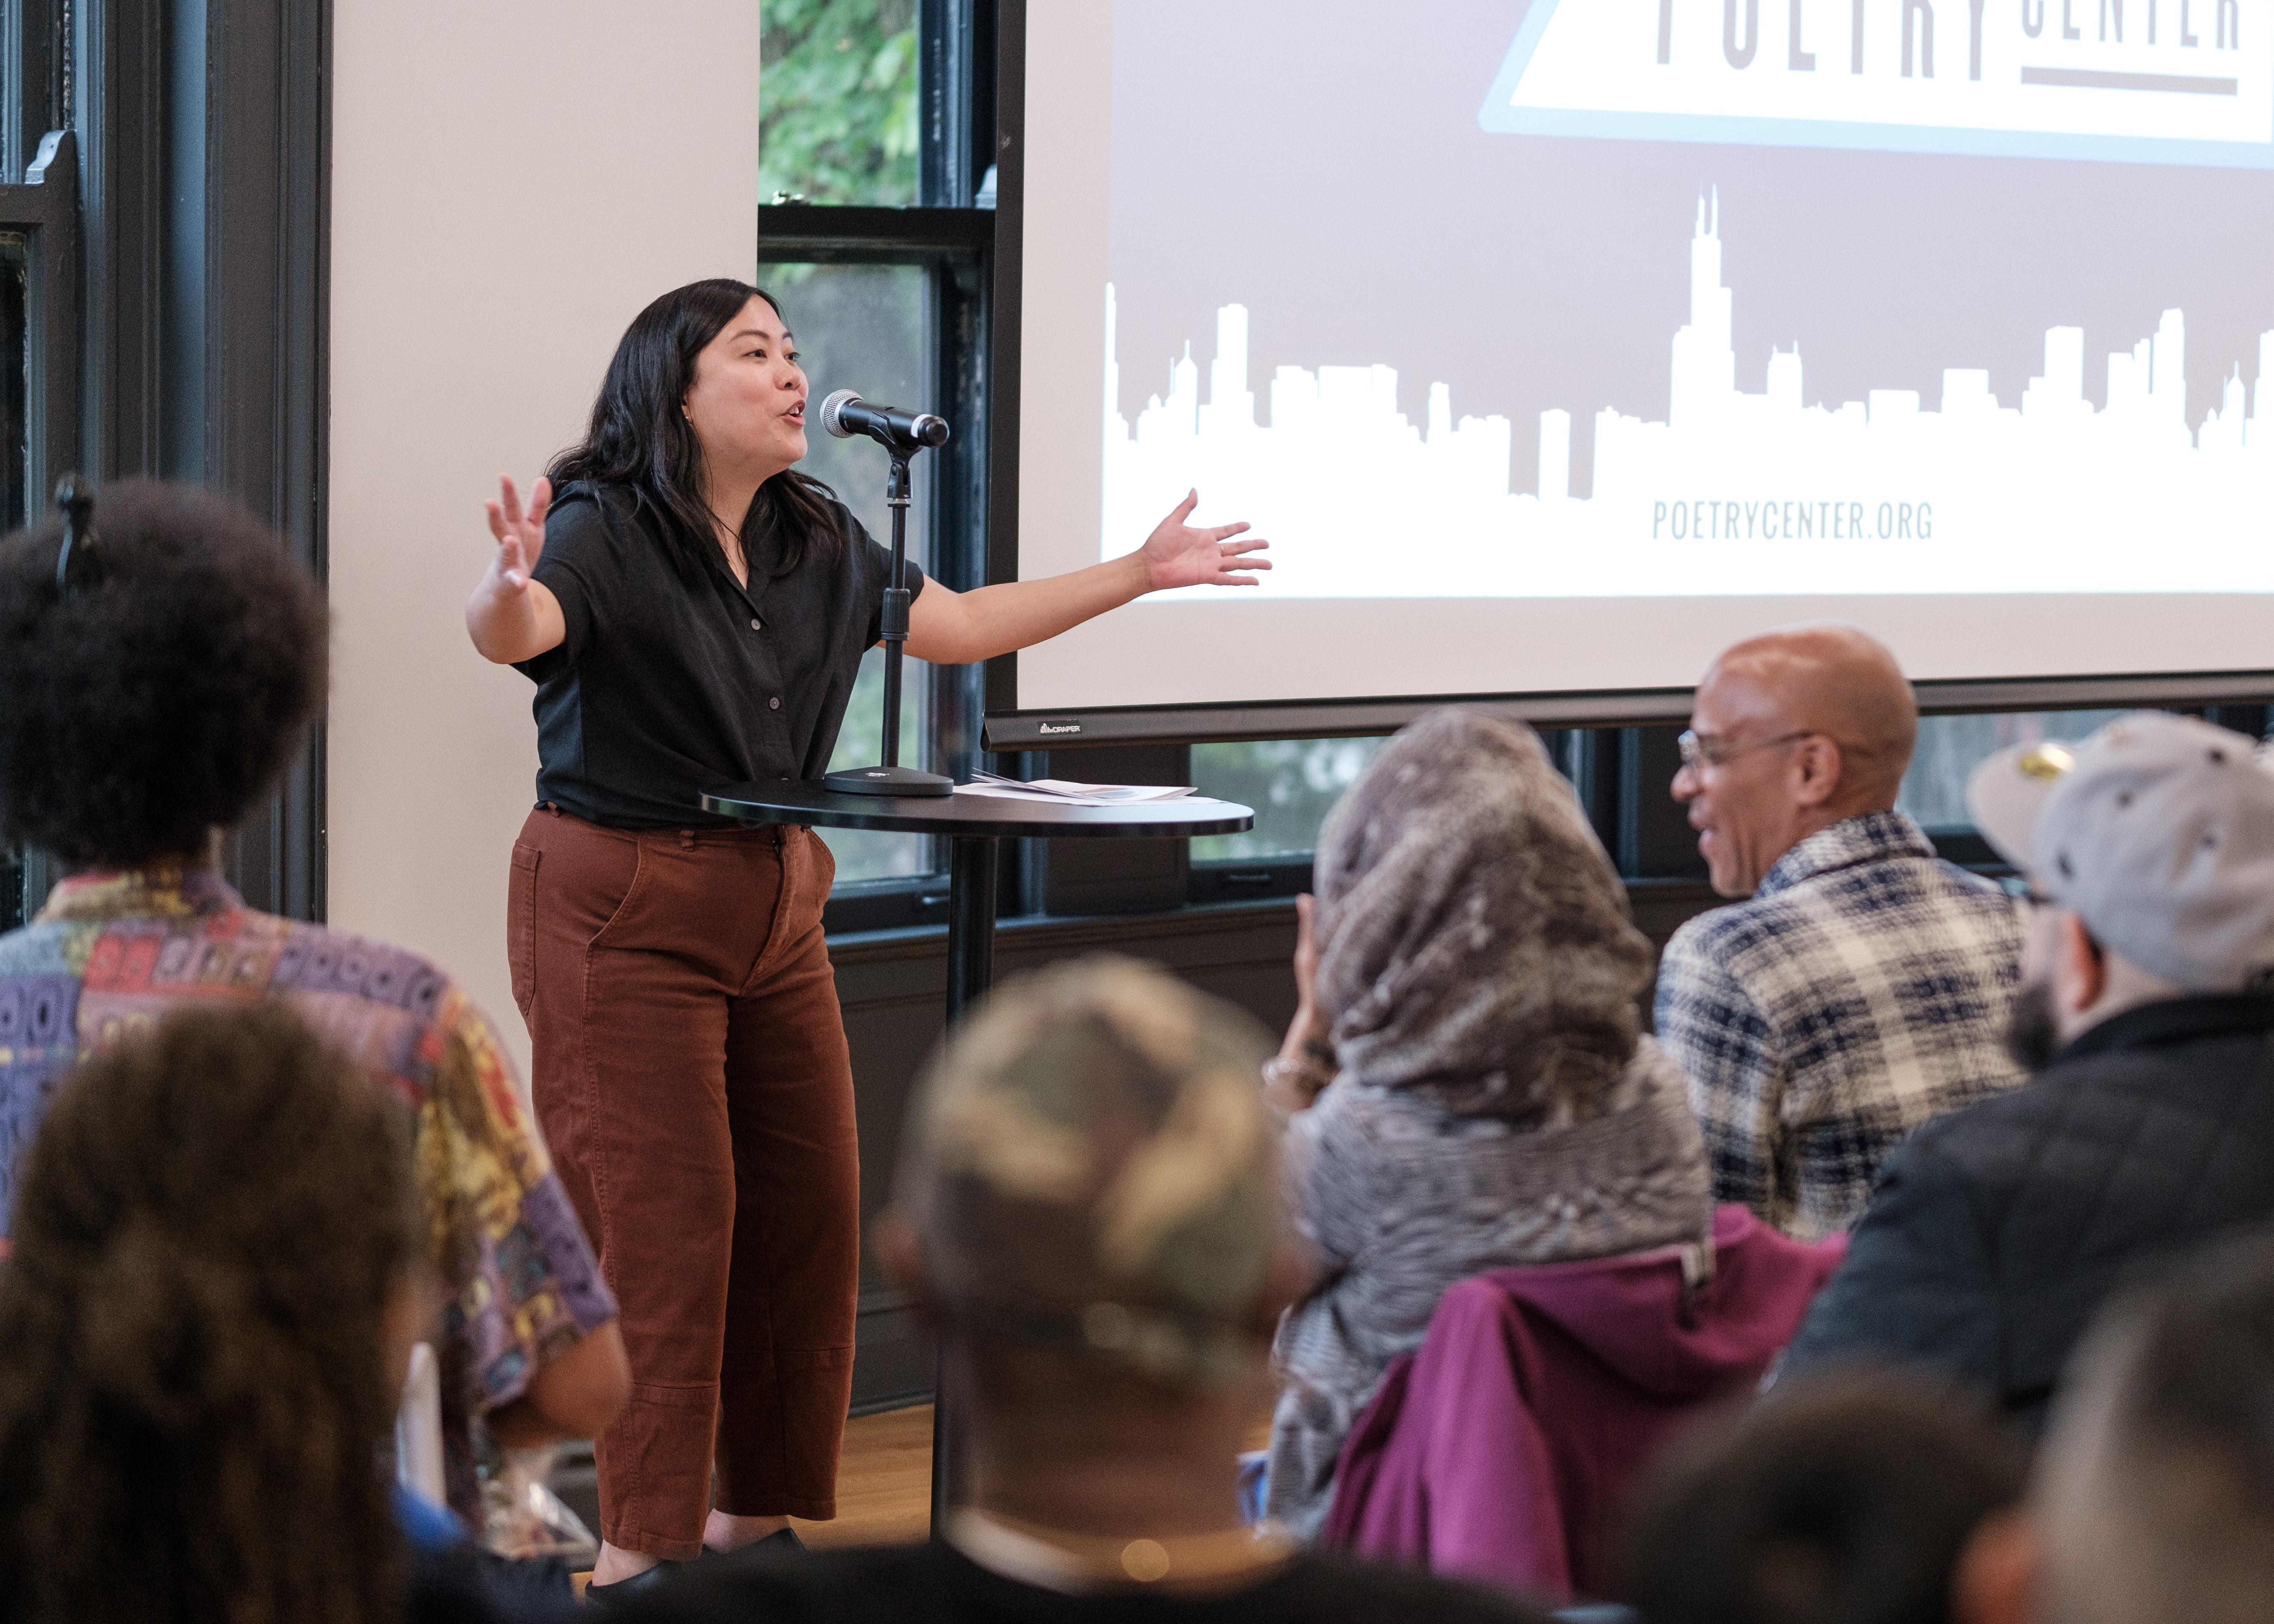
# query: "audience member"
1868,1497
1476,978
203,1332
1862,987
1996,1233
2155,1490
1088,1209
149,705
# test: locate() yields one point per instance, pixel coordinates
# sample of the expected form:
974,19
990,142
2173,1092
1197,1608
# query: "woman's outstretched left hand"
1179,554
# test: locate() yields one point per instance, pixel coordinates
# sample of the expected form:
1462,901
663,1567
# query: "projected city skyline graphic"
1733,492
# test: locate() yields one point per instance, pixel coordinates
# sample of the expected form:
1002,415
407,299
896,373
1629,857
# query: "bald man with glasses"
1862,985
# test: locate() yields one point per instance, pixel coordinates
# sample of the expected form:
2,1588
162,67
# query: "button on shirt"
664,685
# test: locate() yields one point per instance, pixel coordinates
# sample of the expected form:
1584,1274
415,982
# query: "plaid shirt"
1862,989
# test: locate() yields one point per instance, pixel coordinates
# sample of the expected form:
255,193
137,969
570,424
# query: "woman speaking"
693,611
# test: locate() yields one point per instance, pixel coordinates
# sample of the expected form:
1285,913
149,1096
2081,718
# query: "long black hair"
640,440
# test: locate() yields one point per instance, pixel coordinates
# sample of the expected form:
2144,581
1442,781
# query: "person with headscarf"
1467,1081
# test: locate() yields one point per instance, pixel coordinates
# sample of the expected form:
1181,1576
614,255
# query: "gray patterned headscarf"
1474,943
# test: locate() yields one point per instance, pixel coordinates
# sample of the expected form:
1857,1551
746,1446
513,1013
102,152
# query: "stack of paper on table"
1067,793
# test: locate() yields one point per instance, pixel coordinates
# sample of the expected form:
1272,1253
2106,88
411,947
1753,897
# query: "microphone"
846,414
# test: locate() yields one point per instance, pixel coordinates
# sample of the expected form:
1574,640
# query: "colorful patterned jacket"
110,954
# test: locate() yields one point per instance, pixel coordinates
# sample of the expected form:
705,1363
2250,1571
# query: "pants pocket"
521,925
614,928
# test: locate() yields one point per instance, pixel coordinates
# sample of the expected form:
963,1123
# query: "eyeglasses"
1703,750
79,563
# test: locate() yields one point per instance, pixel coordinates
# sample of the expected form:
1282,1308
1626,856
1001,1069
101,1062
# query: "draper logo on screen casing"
2158,81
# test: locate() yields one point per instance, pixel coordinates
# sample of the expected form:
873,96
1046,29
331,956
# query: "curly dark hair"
162,703
192,1388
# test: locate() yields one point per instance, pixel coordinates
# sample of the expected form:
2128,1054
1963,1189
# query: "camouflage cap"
1089,1164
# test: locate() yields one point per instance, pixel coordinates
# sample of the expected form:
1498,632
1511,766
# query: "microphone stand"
889,777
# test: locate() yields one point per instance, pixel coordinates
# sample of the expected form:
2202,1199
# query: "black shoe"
624,1589
781,1542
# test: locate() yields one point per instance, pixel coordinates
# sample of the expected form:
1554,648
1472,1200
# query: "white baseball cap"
2158,832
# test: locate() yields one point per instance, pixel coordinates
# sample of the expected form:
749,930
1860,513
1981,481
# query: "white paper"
1098,796
1112,795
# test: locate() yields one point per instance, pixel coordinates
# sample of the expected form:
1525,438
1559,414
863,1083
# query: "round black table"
977,825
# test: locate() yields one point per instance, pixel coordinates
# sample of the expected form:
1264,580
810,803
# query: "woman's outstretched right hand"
511,616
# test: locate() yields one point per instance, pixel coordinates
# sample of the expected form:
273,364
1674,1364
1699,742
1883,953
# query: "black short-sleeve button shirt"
663,687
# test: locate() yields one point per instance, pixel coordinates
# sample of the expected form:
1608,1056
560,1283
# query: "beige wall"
511,181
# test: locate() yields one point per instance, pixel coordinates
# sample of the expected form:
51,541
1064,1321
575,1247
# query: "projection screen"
1556,347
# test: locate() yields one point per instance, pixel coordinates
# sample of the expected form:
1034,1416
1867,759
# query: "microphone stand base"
888,781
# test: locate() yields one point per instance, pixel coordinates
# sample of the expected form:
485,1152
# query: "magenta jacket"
1505,1448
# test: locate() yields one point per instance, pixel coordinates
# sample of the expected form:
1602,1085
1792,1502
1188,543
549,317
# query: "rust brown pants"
690,1072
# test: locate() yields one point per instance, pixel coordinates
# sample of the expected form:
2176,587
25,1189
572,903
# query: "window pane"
837,101
1951,747
862,328
14,377
1290,782
14,472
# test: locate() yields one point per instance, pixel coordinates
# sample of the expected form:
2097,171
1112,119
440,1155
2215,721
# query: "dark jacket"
1995,1233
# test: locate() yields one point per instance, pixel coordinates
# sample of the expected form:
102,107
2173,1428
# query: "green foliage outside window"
837,101
1291,783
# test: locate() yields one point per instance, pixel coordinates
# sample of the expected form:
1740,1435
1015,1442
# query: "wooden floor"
883,1482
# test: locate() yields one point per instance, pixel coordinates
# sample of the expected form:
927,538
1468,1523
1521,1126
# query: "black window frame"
953,241
955,248
43,206
200,274
1622,777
